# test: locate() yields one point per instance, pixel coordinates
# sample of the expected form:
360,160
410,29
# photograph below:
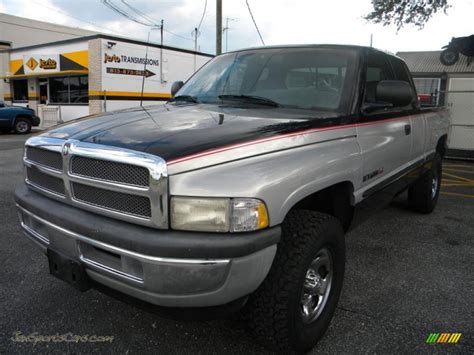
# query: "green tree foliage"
404,12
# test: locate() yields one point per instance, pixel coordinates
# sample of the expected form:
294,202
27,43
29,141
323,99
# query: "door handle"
407,129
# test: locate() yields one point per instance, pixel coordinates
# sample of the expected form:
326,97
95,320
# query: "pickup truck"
237,192
17,118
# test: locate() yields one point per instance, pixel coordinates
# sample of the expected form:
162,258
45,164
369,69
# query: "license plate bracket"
68,270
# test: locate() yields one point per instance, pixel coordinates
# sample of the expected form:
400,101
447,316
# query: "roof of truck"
342,46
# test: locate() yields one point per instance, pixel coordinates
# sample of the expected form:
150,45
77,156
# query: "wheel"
293,307
22,125
423,194
449,57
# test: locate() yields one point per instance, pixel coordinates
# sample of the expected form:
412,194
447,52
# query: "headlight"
218,214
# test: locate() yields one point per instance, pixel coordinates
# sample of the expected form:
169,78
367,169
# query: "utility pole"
195,34
161,52
371,37
218,27
226,29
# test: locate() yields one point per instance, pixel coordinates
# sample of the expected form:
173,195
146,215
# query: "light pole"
144,66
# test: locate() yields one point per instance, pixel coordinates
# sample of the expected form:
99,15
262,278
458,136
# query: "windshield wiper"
185,98
251,99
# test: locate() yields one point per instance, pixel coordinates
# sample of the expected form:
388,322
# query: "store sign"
41,63
114,58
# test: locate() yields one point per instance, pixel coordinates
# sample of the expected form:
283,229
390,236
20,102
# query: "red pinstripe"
281,136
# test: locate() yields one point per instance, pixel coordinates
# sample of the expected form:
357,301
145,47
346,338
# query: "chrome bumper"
171,282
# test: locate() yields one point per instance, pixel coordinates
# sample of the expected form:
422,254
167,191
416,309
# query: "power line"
202,17
177,35
122,12
139,13
143,19
251,15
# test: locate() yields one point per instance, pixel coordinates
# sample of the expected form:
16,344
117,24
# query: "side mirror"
396,92
175,87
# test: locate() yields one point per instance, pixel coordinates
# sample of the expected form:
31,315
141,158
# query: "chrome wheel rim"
434,186
22,127
317,286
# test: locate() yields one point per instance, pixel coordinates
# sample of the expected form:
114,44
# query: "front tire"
293,307
22,125
423,194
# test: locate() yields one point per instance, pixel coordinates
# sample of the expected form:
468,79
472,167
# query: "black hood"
172,131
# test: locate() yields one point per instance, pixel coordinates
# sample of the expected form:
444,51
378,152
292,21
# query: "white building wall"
122,79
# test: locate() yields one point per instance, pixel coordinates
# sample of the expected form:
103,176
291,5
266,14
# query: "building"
451,86
20,32
81,75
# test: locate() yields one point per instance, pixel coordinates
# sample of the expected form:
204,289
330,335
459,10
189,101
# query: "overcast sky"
280,22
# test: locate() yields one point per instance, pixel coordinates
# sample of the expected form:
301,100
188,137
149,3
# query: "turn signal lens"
248,215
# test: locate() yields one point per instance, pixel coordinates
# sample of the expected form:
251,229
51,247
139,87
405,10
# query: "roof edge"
106,36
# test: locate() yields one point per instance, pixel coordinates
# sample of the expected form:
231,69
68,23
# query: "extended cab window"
296,78
378,69
400,70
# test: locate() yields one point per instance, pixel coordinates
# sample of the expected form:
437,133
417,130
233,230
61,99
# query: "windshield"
301,78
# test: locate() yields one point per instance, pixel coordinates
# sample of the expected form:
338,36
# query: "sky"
279,21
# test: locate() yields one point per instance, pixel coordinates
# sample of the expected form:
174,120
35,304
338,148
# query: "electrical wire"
143,19
255,23
122,12
141,14
202,17
177,35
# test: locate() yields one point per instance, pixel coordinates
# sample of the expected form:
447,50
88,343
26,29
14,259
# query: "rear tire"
423,194
22,125
293,307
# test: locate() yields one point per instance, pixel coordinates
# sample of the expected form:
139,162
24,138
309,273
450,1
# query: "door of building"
43,85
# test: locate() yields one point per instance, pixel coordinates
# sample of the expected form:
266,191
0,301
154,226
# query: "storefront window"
20,90
69,90
78,89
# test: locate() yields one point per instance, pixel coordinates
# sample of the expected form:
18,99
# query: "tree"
404,12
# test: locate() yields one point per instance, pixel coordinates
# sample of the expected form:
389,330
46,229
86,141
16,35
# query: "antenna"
144,65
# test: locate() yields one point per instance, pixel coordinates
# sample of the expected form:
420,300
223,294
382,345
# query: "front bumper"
166,268
35,121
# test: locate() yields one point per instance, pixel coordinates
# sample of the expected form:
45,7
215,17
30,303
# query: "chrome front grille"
44,157
115,182
110,171
48,182
117,201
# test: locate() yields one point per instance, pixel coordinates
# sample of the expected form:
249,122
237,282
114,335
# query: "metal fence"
50,115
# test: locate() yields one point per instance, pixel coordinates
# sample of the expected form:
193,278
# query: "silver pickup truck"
238,191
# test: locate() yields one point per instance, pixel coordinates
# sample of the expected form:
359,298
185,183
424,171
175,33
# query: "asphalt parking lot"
407,275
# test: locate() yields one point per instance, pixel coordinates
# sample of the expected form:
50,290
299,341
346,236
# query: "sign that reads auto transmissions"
41,63
123,69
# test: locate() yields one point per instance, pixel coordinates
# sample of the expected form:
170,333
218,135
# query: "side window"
400,70
378,69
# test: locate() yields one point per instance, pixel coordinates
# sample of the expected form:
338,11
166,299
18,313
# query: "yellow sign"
32,63
47,64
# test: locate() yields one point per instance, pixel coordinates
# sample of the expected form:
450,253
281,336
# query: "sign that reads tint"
41,63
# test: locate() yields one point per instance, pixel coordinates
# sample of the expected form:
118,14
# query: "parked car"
237,192
17,118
